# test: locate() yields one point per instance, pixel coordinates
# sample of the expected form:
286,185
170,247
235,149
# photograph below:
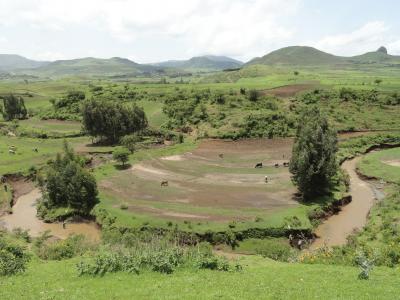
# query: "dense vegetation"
69,189
13,107
313,162
111,121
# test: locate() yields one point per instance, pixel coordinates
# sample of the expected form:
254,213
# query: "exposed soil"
24,216
335,230
290,90
394,162
218,174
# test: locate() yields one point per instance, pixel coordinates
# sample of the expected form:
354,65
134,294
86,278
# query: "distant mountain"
207,62
10,62
95,67
309,56
380,56
299,56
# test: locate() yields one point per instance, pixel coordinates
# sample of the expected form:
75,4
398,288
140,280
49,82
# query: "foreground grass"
260,279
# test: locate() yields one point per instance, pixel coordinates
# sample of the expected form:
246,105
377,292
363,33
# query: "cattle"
10,151
266,179
286,164
164,183
259,165
221,155
35,150
276,165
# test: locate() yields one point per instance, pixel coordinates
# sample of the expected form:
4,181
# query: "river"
24,216
335,230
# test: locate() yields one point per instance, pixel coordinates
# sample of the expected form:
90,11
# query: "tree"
121,155
296,73
313,162
253,95
130,141
13,108
111,120
69,184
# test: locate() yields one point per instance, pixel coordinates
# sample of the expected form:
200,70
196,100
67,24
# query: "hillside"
298,55
376,57
10,62
95,67
208,62
309,56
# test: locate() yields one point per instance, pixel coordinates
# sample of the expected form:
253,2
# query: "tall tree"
13,107
69,184
313,162
112,120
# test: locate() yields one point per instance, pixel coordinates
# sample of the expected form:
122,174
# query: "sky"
156,30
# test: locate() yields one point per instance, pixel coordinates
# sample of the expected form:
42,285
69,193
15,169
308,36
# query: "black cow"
258,165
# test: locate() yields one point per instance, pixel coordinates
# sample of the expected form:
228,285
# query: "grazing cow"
221,155
10,151
35,150
266,179
258,165
276,165
286,164
164,183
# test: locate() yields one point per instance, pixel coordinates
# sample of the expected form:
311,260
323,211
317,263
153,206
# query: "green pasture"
377,164
260,279
25,156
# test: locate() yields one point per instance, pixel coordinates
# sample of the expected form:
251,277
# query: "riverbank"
24,217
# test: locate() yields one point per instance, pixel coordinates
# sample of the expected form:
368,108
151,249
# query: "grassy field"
383,164
205,191
260,279
25,156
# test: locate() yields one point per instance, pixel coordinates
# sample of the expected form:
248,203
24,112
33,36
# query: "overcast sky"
157,30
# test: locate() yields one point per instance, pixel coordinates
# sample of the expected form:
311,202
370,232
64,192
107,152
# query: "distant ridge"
10,62
309,56
95,66
206,62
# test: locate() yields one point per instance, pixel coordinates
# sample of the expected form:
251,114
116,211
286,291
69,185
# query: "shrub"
121,155
74,245
13,258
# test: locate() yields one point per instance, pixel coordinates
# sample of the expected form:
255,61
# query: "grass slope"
260,279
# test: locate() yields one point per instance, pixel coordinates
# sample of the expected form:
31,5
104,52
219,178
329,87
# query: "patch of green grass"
260,279
25,156
377,165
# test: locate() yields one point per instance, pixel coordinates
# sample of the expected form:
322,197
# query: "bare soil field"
290,90
217,182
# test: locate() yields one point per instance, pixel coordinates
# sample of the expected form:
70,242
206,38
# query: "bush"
74,245
68,185
13,258
121,155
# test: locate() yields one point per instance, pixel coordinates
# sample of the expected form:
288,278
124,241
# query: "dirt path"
24,216
335,230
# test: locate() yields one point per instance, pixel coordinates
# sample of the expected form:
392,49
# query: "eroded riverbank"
335,230
24,217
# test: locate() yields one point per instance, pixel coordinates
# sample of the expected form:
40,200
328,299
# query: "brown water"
335,230
24,216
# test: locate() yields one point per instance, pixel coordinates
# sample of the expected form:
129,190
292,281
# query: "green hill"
309,56
10,62
376,57
208,62
95,67
298,55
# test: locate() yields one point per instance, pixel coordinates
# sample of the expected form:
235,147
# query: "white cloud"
231,27
366,38
394,47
